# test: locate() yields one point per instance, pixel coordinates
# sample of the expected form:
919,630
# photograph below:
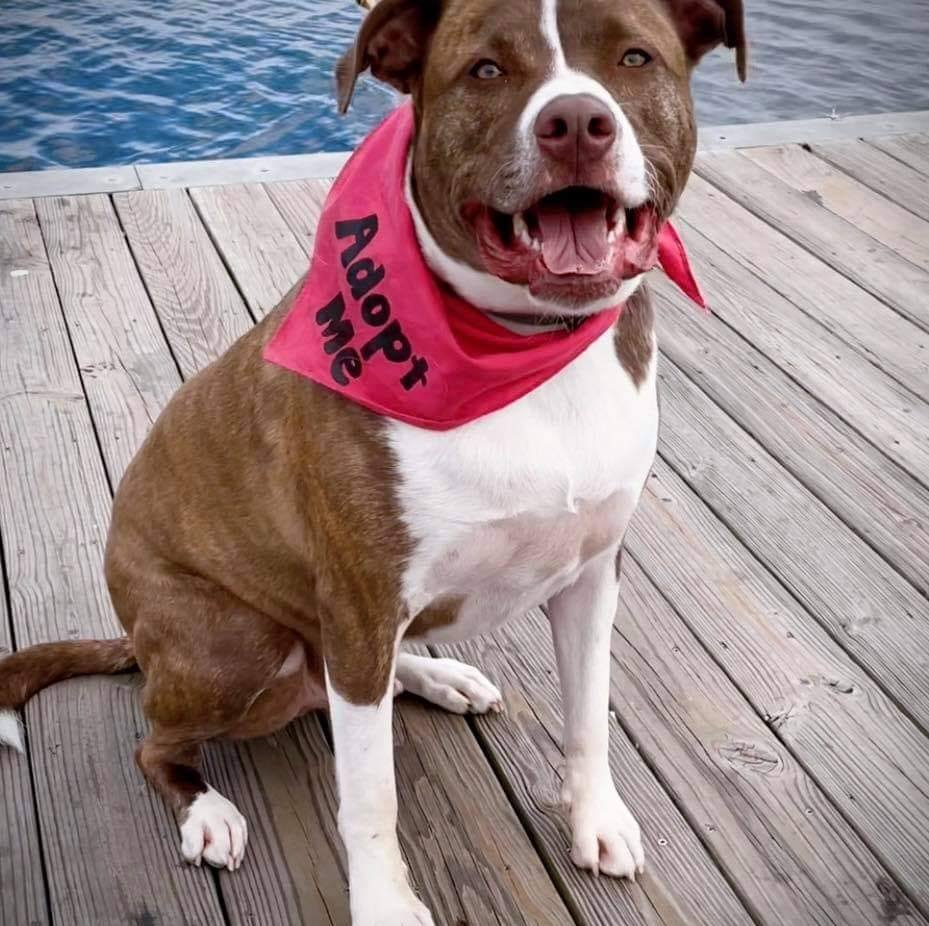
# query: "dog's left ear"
392,41
704,24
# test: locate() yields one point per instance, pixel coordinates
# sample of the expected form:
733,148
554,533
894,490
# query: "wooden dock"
771,652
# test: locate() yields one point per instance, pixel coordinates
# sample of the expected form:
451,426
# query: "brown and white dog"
272,543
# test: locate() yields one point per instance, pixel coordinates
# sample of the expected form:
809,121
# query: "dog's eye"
486,69
635,58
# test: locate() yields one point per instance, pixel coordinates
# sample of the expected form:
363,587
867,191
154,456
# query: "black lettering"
416,373
363,276
362,230
339,330
346,364
392,341
375,310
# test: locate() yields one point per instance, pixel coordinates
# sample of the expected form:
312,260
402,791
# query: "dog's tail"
30,670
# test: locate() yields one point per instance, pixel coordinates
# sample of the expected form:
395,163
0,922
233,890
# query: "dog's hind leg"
212,829
214,667
451,684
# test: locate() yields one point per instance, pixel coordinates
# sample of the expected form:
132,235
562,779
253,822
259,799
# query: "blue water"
100,82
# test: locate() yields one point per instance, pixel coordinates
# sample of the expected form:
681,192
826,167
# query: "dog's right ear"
392,41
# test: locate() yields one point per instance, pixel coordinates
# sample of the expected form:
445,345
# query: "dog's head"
553,137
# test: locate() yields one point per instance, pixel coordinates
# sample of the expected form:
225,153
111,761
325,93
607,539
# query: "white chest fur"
504,511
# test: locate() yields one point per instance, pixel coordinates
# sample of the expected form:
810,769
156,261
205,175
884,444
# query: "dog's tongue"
573,240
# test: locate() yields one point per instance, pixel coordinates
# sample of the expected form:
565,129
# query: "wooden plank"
438,828
681,884
882,219
126,368
54,502
36,183
789,131
868,608
22,880
890,417
300,203
865,323
881,172
181,269
912,149
871,761
783,845
837,242
180,174
880,501
260,250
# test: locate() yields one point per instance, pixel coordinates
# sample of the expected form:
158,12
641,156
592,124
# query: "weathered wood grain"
294,872
681,885
865,323
22,881
125,366
840,244
871,760
791,855
257,246
196,301
868,608
880,171
300,203
882,219
466,872
866,488
891,417
911,149
96,841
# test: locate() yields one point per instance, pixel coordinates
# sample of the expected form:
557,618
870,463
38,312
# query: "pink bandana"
373,323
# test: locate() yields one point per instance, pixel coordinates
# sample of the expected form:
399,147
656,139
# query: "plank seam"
148,293
786,231
824,157
721,517
912,473
774,730
792,473
870,143
874,360
510,793
27,744
77,364
221,254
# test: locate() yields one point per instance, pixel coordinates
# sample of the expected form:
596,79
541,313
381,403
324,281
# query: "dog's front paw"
389,906
605,837
214,831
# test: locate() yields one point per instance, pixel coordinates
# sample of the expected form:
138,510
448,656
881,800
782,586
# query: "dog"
278,535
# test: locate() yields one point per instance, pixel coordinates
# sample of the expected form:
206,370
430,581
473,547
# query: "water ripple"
88,82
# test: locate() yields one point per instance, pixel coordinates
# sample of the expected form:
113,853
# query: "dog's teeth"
611,235
618,218
521,230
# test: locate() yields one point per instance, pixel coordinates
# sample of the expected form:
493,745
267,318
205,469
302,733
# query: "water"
100,82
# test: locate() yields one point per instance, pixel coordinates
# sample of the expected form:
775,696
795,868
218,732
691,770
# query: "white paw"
213,831
393,906
454,685
605,837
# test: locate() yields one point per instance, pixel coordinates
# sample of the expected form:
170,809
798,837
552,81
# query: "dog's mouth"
572,246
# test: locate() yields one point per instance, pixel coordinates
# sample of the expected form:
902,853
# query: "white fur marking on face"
549,23
11,732
214,831
563,80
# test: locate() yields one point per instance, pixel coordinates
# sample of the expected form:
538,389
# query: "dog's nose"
575,127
